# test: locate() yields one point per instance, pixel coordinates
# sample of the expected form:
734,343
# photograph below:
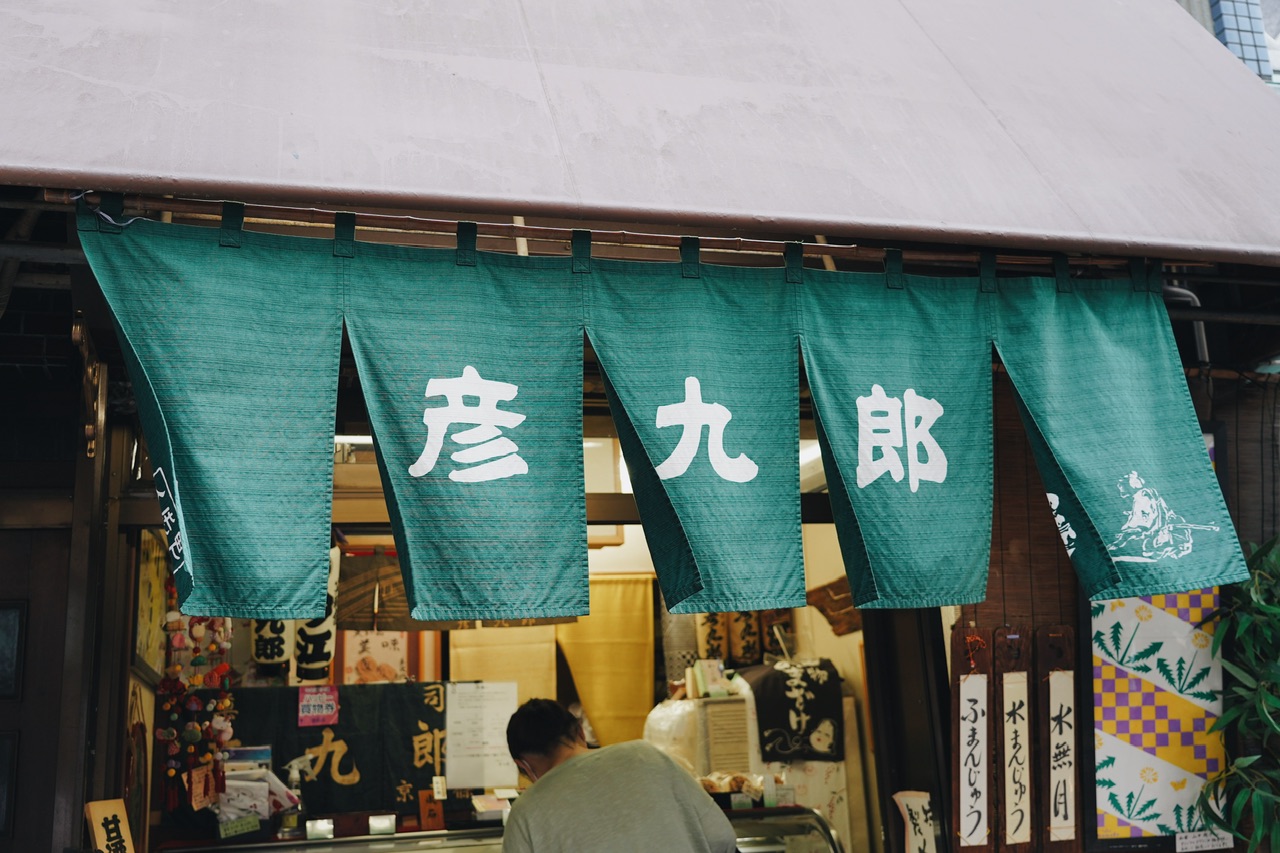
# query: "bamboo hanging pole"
555,240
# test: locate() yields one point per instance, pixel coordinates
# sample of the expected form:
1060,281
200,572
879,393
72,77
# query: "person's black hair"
538,726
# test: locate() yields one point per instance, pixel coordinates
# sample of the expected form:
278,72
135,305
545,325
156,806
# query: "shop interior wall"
525,655
814,638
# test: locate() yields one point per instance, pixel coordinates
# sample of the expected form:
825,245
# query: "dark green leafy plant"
1244,798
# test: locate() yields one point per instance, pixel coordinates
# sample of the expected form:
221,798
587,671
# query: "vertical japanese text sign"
1017,759
1062,756
109,826
1057,730
1012,650
971,737
974,768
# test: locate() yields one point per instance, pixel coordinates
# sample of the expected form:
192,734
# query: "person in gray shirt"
626,797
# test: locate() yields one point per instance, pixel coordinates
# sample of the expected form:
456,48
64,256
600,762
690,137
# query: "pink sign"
318,706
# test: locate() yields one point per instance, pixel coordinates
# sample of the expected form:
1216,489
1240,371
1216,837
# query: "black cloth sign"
387,745
799,710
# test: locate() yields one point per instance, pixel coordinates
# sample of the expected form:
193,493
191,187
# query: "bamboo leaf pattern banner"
1156,693
471,367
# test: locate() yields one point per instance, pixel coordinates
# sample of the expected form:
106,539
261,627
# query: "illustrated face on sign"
823,737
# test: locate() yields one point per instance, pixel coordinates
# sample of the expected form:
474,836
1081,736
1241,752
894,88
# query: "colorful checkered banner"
1157,692
702,374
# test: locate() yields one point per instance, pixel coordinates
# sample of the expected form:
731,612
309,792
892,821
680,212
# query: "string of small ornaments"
194,730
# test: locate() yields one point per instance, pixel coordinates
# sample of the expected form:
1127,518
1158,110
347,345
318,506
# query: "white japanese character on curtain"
693,414
491,455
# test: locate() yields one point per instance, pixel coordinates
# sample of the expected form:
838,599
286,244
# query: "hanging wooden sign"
1011,653
971,737
1057,764
109,826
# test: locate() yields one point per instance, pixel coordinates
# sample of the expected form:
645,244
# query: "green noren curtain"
471,364
233,353
471,368
1115,436
472,375
700,363
900,370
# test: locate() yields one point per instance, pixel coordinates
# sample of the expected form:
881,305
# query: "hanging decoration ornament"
194,728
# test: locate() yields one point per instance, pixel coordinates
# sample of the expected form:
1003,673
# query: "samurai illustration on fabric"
1157,530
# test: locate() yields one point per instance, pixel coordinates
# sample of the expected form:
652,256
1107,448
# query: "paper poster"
476,715
317,705
974,765
1062,756
726,734
372,657
200,787
1017,760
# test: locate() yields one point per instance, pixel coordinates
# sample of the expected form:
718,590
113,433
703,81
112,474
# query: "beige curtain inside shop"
610,654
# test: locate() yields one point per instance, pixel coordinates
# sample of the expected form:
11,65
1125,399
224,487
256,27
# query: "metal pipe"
1184,295
1243,318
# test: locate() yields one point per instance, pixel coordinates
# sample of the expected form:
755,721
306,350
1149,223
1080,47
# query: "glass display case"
485,840
787,829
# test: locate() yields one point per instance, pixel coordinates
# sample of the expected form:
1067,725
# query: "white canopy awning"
1098,125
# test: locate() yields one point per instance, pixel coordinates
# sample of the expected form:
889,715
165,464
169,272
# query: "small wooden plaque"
430,811
109,825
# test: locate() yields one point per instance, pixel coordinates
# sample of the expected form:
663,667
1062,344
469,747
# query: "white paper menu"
476,715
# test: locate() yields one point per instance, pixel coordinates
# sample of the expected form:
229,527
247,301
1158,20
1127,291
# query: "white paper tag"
770,791
1209,839
438,788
